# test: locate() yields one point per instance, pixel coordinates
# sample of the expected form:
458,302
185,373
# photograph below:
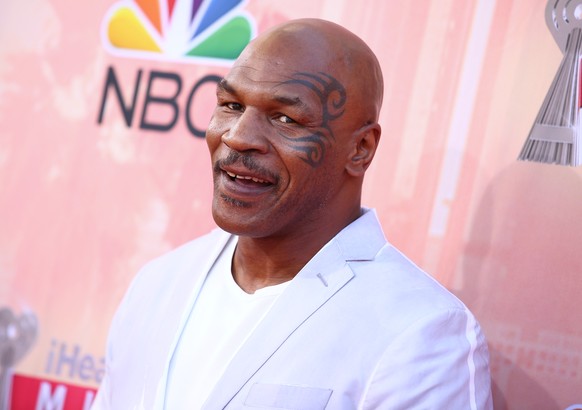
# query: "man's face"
275,145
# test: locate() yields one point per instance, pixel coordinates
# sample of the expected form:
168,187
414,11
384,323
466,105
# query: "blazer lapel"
317,282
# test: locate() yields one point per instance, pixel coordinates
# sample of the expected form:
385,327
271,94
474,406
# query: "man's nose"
248,133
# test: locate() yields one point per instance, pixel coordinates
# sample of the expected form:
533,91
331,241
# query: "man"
303,304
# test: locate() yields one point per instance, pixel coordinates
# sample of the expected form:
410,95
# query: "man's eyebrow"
223,85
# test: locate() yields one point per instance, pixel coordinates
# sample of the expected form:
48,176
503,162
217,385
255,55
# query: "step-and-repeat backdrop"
103,166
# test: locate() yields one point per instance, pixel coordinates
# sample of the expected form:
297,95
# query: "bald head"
319,46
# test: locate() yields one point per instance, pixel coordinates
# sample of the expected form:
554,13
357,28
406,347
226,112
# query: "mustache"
248,161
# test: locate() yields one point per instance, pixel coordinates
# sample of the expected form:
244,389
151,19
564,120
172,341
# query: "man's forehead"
284,64
271,76
286,52
255,70
265,60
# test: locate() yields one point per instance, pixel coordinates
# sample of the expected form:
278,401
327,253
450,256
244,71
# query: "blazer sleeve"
438,362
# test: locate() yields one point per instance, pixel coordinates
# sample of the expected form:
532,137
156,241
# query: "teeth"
232,175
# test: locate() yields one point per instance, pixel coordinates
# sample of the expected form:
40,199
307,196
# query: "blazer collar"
362,239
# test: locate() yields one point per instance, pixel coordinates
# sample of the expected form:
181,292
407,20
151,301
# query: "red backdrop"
85,201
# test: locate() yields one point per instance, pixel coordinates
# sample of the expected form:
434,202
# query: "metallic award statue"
17,335
555,135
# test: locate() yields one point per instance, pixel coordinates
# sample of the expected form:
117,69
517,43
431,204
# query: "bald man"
296,301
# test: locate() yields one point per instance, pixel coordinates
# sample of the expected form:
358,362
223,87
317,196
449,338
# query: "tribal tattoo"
332,95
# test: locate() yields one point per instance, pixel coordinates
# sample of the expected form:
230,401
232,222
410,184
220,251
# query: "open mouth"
246,179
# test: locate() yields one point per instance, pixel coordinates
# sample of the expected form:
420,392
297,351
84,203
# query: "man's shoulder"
385,274
392,282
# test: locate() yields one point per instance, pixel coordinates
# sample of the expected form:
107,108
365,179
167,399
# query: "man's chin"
239,225
230,217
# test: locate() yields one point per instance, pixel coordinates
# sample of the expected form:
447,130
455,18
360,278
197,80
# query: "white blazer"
360,327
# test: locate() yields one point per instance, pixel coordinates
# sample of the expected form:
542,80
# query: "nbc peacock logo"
203,31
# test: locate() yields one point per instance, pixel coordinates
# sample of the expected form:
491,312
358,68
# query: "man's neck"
261,262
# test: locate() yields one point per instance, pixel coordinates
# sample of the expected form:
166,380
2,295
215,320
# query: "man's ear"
365,142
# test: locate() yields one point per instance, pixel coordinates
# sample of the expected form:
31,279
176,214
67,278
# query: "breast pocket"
281,396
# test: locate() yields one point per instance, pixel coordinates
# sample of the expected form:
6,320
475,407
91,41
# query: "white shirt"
221,320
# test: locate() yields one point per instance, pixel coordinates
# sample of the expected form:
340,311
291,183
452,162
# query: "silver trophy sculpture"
17,335
555,135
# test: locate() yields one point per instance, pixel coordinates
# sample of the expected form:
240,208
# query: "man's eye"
234,106
284,119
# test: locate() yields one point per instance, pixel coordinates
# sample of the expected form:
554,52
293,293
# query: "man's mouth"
234,176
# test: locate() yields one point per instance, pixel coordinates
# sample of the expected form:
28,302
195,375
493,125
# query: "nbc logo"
205,31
